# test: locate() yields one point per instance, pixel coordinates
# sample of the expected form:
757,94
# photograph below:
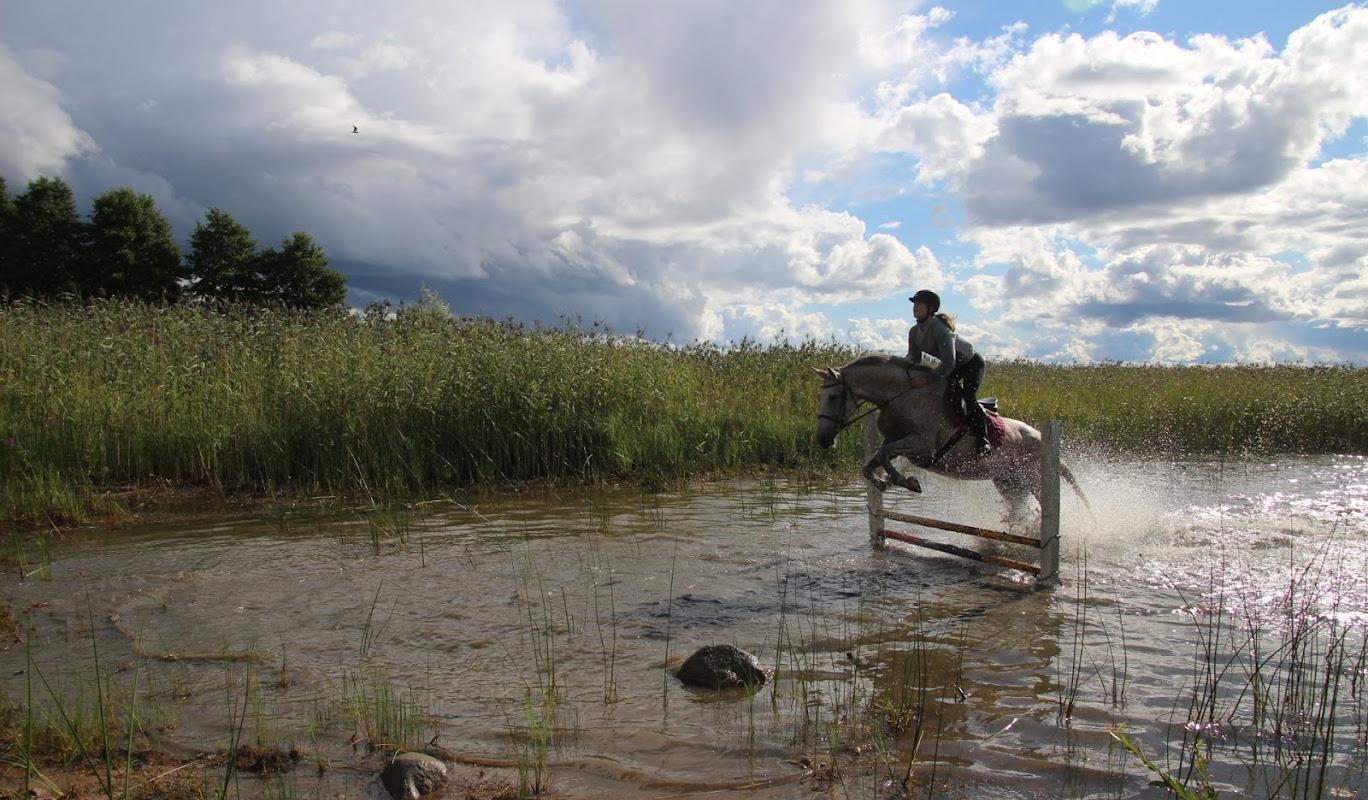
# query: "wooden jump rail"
1046,573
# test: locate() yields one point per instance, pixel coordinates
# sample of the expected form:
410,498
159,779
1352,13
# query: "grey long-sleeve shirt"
934,337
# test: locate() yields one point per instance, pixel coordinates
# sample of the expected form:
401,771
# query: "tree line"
126,250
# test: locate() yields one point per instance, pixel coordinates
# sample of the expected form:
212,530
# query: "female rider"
934,334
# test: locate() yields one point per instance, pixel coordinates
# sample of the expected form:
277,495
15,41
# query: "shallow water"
472,612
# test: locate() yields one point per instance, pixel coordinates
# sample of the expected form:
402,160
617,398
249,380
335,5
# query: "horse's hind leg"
1014,491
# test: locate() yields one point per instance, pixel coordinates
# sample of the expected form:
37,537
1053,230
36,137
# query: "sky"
1080,180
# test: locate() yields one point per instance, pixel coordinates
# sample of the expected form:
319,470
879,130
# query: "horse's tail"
1068,476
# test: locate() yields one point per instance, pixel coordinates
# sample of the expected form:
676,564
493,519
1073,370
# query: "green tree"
6,236
131,250
298,275
222,260
45,243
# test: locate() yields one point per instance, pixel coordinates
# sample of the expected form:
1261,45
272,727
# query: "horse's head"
835,403
881,380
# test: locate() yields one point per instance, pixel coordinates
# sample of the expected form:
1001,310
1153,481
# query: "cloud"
879,335
1171,194
666,168
944,133
775,322
38,132
1141,7
1088,126
519,159
916,64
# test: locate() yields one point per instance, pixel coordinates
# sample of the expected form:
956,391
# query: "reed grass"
89,723
1275,705
267,400
1233,409
388,717
118,394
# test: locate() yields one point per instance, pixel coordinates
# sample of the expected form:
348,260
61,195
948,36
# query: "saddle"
994,427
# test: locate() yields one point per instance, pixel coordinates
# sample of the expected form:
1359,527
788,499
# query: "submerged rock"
264,759
722,666
412,775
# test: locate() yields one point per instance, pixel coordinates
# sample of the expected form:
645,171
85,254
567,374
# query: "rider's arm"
914,351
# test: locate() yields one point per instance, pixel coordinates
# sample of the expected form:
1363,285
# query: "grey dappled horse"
915,420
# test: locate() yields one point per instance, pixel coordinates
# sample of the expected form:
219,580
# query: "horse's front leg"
892,450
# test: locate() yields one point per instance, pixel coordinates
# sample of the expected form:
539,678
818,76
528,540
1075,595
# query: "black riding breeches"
968,374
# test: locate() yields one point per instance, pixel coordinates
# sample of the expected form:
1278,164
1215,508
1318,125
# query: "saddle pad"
997,429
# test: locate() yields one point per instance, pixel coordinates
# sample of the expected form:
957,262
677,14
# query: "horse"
917,421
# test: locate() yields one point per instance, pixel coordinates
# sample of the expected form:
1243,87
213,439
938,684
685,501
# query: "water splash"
1232,536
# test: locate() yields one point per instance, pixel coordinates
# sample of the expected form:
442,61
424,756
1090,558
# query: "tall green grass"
120,393
267,400
1193,409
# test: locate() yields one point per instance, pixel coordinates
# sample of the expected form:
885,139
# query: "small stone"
722,666
412,775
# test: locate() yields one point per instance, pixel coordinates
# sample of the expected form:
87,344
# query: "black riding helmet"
929,297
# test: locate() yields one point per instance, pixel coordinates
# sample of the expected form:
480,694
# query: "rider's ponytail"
948,320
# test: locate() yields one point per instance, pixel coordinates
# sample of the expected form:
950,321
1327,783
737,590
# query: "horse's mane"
882,359
877,360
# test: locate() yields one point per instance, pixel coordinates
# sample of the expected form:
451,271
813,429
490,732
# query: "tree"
298,275
45,242
6,234
131,250
222,258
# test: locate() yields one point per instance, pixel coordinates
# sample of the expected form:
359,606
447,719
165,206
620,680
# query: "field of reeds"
1215,410
119,394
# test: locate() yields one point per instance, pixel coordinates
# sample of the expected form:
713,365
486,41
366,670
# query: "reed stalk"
97,399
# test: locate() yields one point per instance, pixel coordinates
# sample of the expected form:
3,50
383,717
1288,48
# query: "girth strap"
945,448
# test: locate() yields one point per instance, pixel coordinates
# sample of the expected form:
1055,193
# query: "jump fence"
1046,572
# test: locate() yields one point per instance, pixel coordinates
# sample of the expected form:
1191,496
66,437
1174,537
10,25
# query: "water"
1185,585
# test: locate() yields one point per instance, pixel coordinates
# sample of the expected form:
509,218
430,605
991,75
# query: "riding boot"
979,423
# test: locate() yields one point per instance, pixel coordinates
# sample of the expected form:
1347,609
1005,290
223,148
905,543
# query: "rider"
934,334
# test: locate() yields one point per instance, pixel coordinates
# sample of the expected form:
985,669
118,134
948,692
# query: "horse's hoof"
913,485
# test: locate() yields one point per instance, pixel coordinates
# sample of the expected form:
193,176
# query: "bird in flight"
354,130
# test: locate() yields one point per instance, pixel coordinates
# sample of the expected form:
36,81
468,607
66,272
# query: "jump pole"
1047,573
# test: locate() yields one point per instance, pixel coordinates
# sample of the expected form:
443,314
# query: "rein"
842,424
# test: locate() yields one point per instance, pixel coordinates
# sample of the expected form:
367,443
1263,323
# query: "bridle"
842,424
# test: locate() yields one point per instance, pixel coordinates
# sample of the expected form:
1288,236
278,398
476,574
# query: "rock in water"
412,775
722,666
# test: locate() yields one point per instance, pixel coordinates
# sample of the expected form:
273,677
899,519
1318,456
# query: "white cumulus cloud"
38,133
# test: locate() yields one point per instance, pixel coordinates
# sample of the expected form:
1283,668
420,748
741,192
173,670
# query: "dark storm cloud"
536,156
1126,313
1050,169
